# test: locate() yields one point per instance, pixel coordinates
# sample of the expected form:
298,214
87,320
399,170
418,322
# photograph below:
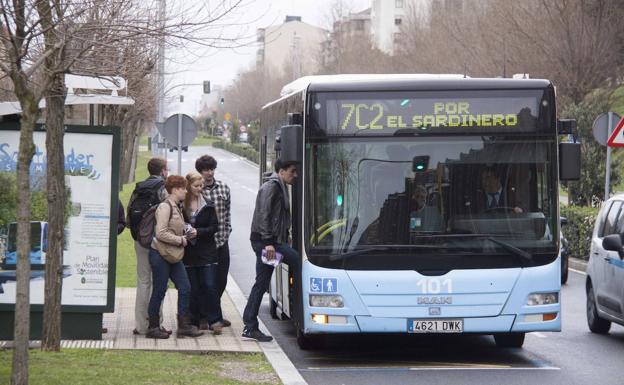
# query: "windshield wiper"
525,255
353,253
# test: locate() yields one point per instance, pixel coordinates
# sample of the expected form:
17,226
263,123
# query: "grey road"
574,356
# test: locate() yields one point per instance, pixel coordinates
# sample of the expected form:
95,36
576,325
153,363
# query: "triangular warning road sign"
617,137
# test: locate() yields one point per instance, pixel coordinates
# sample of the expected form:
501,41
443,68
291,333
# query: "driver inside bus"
494,196
423,217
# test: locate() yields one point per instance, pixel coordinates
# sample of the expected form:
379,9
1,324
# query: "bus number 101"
435,286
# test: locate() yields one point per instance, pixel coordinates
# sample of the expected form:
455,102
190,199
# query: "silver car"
605,270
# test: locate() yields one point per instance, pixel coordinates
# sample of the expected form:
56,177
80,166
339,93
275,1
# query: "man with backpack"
146,194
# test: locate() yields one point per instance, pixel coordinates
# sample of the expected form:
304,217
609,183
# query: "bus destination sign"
352,116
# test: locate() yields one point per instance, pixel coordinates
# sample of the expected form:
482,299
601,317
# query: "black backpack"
144,196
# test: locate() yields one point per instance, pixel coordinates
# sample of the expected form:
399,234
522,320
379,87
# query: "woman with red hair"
165,257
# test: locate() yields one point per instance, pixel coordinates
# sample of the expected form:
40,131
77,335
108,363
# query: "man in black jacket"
157,168
269,232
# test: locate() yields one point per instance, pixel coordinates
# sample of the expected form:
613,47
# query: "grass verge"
203,139
112,367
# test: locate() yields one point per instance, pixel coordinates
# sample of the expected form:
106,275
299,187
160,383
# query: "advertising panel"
88,250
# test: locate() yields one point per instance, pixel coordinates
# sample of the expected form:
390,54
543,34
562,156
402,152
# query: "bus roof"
405,82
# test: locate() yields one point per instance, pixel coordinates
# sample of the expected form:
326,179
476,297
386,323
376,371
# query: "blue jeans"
263,279
204,305
161,272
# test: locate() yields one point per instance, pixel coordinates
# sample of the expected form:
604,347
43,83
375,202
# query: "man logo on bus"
435,300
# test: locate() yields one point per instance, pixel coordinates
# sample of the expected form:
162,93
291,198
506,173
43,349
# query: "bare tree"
42,40
575,43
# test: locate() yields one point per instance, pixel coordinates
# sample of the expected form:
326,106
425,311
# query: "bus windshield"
35,237
439,202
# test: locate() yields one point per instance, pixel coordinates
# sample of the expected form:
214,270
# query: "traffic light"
420,163
222,101
206,86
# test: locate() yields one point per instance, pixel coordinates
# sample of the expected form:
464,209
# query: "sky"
222,66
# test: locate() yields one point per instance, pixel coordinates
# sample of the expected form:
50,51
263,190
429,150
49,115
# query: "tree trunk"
129,133
55,182
30,112
133,160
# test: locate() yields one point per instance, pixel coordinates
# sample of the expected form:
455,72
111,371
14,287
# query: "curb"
577,264
283,366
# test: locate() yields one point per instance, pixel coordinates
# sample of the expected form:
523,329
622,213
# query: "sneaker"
255,334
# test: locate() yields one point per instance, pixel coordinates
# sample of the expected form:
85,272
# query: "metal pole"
179,144
161,67
608,166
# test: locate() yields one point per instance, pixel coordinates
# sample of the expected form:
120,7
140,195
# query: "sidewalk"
121,323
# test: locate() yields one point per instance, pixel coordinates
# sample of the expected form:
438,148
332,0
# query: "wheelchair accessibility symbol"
316,285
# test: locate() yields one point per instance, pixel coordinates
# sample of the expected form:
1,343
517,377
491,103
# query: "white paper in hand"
273,262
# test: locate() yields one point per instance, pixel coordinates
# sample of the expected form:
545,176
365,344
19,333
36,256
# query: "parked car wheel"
596,324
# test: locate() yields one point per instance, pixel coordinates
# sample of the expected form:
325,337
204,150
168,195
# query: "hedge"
244,150
578,231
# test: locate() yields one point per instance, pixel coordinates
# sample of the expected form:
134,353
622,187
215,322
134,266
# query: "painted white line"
478,368
540,335
577,271
424,368
249,189
282,365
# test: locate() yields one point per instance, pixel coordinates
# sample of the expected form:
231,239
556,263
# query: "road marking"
283,366
249,189
423,368
577,271
540,335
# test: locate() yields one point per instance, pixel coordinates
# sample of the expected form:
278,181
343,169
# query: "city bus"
389,211
38,246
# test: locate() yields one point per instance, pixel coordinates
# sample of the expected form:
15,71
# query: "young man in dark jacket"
218,192
158,171
269,231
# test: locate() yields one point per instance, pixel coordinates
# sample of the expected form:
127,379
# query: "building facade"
291,48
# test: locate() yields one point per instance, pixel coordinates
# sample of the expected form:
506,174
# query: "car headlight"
326,301
543,299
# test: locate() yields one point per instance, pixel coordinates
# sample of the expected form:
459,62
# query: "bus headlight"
543,299
326,301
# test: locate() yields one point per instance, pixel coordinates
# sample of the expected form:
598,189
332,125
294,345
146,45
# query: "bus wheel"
307,342
273,308
509,340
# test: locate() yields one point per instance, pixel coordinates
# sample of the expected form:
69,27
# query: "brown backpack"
145,230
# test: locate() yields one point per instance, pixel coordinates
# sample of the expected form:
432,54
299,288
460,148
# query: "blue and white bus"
390,209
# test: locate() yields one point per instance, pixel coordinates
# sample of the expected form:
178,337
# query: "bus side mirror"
566,126
291,143
569,161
